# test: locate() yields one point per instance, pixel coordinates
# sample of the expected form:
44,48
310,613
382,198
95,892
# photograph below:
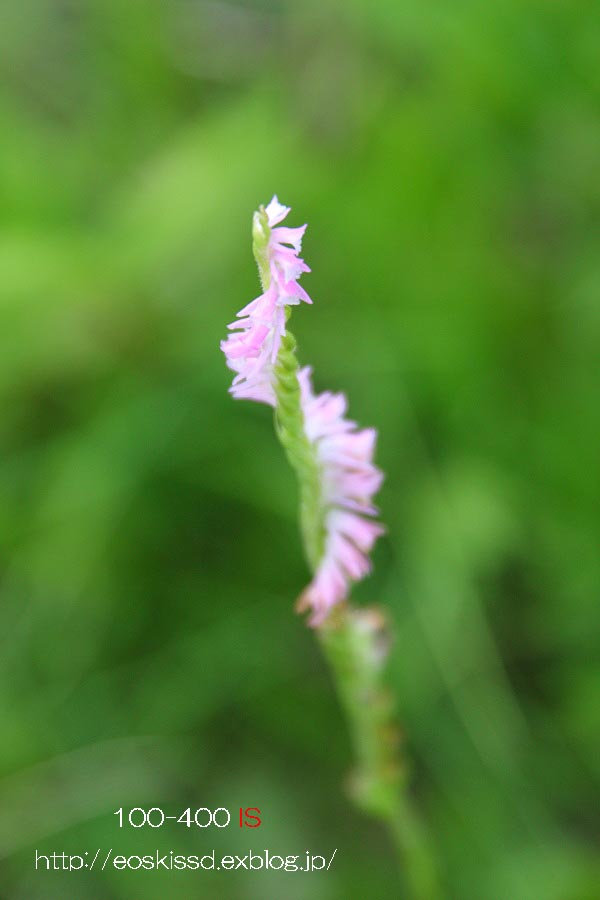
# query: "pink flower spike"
332,456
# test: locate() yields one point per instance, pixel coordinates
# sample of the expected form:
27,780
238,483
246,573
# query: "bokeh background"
446,160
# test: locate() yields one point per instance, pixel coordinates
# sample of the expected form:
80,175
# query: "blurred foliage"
446,159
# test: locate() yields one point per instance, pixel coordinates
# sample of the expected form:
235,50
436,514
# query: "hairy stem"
355,643
289,425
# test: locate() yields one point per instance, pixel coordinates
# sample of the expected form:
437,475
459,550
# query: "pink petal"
276,212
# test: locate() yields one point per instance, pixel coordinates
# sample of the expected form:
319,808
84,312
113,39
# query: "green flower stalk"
337,479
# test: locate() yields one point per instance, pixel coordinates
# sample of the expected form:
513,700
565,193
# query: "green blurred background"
446,159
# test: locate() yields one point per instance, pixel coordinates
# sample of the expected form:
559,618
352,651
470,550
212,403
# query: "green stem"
289,426
354,642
